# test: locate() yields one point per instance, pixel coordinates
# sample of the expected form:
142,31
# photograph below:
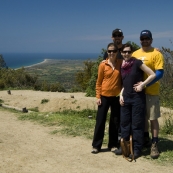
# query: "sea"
18,60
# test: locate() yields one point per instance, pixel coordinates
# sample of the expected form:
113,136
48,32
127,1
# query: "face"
146,41
126,53
112,52
117,38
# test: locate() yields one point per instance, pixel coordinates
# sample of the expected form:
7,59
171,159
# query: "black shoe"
118,152
135,156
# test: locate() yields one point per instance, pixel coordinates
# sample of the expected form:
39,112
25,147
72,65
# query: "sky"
81,26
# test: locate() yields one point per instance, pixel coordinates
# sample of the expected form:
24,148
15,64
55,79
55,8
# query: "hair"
112,44
127,45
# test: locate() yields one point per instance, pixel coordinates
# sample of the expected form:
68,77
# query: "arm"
159,75
121,100
151,76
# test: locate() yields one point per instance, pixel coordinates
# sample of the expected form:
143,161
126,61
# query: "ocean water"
17,60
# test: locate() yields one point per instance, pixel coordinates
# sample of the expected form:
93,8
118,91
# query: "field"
62,71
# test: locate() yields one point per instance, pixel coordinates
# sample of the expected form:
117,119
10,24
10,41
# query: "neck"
112,60
120,46
146,48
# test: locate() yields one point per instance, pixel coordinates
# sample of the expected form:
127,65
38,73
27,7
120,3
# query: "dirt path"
26,147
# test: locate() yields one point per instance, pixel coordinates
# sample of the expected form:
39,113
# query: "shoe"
95,151
147,142
135,156
154,151
113,149
118,152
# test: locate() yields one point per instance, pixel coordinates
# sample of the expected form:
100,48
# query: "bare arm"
151,76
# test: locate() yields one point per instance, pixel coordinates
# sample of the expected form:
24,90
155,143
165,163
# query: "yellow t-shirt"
154,60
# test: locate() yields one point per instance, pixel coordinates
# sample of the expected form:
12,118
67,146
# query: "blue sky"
81,26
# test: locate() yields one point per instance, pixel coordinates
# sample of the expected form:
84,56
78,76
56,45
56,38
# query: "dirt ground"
26,147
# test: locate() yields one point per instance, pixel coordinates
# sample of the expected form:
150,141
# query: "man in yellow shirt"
154,60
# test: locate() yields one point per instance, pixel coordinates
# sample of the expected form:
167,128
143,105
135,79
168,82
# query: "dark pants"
114,122
133,120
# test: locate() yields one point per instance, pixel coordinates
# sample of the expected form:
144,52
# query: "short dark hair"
112,44
127,45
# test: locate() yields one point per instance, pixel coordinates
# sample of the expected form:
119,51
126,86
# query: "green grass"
82,123
44,101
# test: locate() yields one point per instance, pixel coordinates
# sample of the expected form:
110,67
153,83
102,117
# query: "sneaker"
147,142
118,152
95,151
113,149
154,151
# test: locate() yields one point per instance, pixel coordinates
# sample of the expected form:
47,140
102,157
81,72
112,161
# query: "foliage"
10,78
134,45
90,90
167,127
44,101
2,62
166,89
82,77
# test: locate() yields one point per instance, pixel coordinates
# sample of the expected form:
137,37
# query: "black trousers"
114,122
133,120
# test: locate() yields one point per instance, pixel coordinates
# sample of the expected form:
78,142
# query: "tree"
2,62
134,45
82,77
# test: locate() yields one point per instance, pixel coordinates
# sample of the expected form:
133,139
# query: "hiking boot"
154,151
147,142
118,152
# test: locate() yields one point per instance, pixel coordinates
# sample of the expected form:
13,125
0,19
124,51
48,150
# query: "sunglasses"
129,52
117,35
147,38
114,51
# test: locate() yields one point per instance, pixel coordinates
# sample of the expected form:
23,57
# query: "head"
117,36
112,50
126,51
146,38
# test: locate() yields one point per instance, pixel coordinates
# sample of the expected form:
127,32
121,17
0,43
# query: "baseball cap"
119,31
146,33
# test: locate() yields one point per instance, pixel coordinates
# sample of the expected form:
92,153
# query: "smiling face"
112,52
126,53
117,38
145,41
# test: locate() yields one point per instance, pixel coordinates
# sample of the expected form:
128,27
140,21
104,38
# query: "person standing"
154,60
117,38
132,99
108,87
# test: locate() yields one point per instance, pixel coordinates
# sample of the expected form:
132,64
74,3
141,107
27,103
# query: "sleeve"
158,61
100,79
159,75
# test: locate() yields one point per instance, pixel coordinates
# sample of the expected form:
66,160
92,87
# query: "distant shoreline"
50,61
40,63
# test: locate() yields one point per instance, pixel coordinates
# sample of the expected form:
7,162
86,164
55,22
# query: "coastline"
40,63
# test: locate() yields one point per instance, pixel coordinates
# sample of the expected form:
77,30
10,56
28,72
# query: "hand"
138,88
121,100
137,84
99,102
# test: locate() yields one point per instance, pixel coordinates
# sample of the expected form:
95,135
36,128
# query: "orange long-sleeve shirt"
109,79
